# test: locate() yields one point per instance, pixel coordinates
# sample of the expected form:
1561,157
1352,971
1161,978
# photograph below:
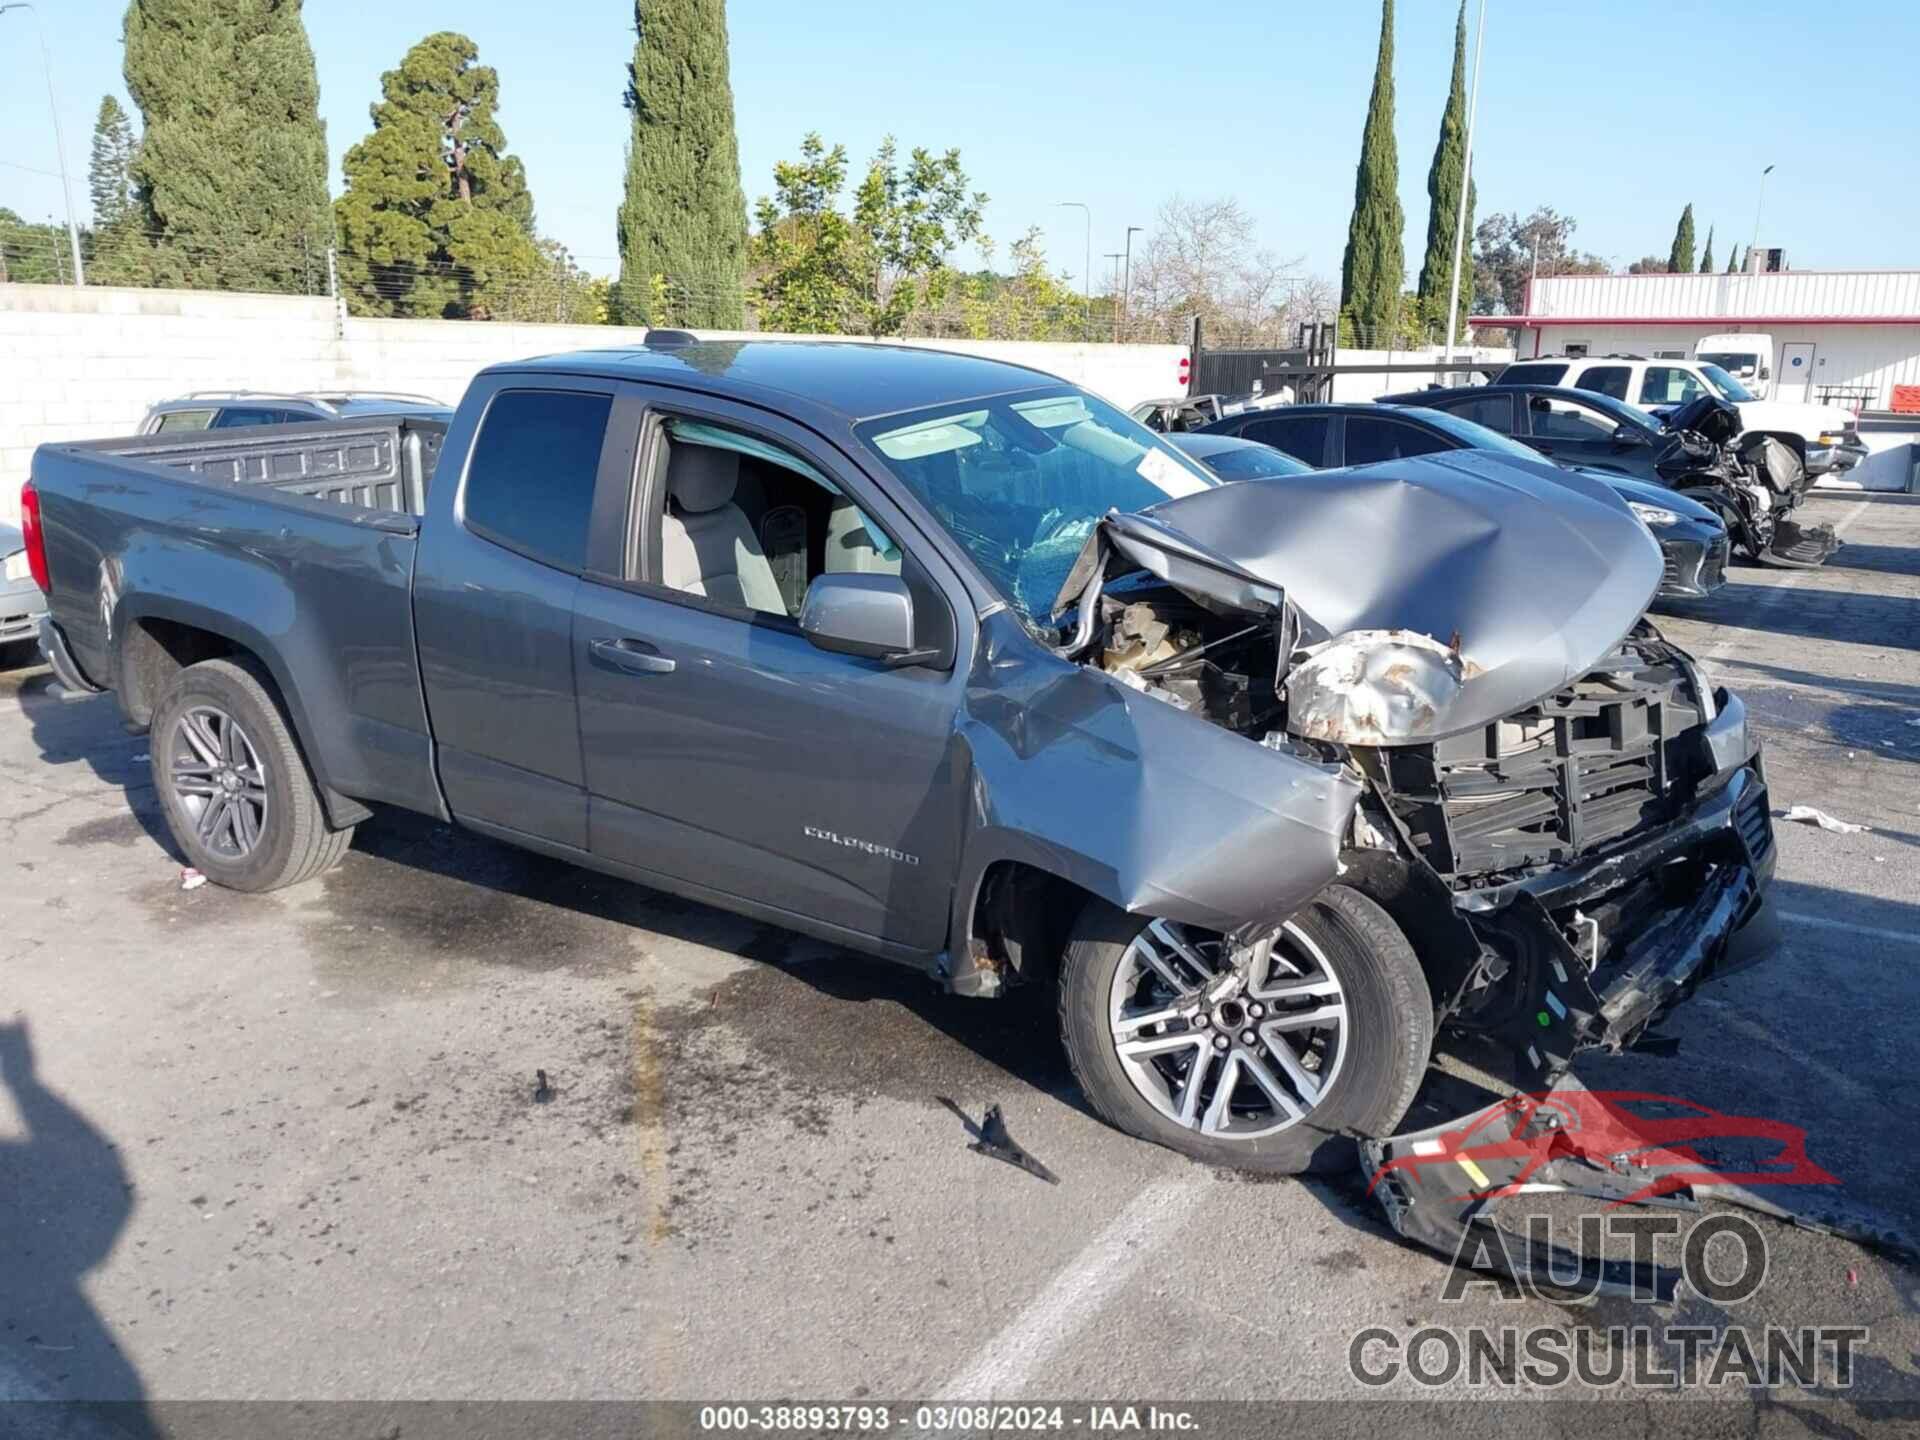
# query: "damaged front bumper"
1672,901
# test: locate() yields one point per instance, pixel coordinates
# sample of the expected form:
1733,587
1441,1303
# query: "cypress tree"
1372,270
1733,260
1680,258
683,224
110,170
231,171
437,219
1443,191
1706,256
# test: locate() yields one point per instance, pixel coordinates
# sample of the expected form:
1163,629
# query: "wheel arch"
159,636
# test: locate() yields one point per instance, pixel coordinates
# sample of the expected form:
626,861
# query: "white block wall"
86,363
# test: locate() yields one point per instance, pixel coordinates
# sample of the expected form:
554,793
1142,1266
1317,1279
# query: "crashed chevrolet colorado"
948,662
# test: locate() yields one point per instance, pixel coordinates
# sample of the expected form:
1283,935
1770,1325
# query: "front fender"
1146,806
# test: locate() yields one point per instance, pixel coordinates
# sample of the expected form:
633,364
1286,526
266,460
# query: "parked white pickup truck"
1824,437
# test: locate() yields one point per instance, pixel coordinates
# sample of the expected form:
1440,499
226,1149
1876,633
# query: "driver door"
722,748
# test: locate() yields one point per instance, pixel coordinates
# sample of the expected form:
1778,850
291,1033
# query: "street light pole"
1466,186
1757,206
1126,275
1086,268
59,144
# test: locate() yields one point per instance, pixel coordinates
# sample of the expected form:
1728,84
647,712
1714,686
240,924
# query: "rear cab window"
530,481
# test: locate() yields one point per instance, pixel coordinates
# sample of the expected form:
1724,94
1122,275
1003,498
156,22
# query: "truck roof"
855,381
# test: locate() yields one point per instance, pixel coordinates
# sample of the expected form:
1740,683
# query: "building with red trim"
1855,334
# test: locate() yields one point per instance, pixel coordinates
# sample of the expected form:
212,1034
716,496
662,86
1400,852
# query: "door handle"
634,657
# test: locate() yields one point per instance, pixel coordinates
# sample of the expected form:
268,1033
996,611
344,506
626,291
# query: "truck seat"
706,546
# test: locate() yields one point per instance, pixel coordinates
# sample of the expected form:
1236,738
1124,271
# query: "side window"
1370,438
530,482
750,524
172,421
1533,374
1494,411
1302,436
1669,385
1557,419
1611,380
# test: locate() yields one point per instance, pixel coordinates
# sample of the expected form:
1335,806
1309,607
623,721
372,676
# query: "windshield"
1729,388
1020,481
1477,436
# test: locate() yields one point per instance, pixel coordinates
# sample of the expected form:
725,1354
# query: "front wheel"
1270,1062
233,783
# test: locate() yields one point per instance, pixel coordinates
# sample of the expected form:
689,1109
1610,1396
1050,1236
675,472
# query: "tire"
1367,1078
270,798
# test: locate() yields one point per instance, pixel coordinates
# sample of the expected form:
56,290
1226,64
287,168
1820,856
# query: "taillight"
1186,373
36,537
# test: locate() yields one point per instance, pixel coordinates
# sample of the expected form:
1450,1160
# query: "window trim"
641,503
609,451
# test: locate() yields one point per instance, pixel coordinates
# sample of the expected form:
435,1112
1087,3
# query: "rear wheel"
233,783
1271,1060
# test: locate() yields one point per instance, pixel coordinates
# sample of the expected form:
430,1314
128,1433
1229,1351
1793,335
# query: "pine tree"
231,171
110,171
683,224
437,219
1706,256
1443,191
1680,258
1372,270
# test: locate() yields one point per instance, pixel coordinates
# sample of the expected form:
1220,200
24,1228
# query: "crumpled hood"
1538,575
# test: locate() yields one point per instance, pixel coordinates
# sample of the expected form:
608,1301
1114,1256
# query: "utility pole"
1466,186
1086,270
1758,205
1126,276
59,144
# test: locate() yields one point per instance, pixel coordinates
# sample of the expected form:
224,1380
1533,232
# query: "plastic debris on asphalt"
542,1091
992,1140
1807,815
191,879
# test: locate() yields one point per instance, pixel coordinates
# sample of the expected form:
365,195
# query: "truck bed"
294,542
380,464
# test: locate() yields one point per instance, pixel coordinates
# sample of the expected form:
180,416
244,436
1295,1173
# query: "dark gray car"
949,662
1693,540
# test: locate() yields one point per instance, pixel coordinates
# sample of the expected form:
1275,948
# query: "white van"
1747,356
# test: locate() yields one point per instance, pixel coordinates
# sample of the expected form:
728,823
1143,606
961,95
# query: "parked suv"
233,409
1824,438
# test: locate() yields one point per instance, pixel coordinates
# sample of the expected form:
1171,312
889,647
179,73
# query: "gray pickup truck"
951,663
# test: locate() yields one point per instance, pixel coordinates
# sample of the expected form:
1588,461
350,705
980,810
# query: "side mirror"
1766,373
1625,439
866,615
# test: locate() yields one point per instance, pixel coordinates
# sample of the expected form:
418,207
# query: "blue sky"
1617,112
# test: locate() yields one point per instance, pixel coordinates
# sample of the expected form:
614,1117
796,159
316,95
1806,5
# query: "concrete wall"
82,364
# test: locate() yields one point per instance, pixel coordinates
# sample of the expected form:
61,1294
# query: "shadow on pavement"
64,1199
89,731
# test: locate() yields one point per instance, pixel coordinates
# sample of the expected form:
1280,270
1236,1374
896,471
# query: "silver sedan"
21,603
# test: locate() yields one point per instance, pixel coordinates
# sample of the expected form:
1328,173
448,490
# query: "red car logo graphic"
1502,1149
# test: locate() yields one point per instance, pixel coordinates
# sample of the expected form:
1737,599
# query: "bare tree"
1203,258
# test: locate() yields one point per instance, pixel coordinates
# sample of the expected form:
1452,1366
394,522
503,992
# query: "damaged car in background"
945,661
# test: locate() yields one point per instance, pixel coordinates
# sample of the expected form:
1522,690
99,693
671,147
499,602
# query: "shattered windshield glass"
1021,480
